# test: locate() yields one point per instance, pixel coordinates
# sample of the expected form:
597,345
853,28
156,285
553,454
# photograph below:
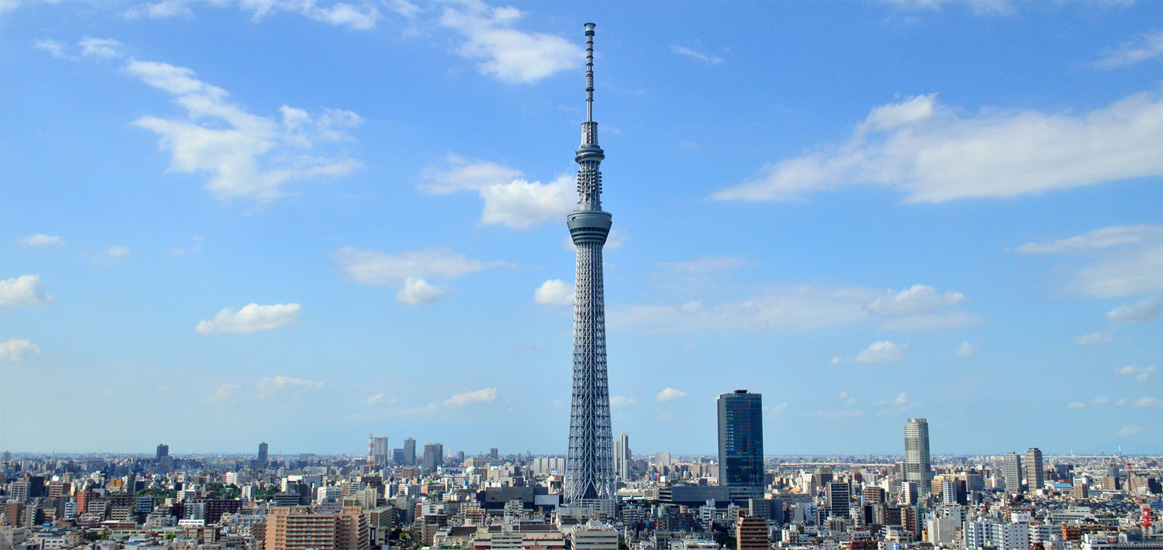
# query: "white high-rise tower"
589,468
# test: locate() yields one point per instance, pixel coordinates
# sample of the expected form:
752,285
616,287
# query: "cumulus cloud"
1093,338
25,290
486,395
224,392
1140,374
117,251
509,200
251,318
881,352
247,155
53,47
619,401
802,307
901,400
669,394
511,55
285,385
40,239
965,349
683,50
16,350
931,154
554,292
357,14
1145,402
1113,261
1145,47
417,292
106,48
1141,312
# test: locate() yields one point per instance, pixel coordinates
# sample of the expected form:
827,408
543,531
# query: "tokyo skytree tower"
589,468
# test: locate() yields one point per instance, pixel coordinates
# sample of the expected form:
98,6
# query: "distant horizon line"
563,455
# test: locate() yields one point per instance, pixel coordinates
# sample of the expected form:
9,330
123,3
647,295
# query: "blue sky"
301,222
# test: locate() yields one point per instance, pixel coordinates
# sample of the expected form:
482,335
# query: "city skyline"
315,224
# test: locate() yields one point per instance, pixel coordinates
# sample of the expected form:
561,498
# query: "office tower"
741,443
751,533
163,451
622,457
409,452
918,468
263,453
839,499
1035,475
1012,471
589,475
494,453
380,451
433,457
398,456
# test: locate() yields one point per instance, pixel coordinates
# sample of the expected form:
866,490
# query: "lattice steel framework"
589,469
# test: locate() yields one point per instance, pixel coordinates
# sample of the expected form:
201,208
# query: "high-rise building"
409,452
1012,472
1035,475
163,450
263,453
589,475
839,499
622,457
380,451
433,457
494,453
751,533
918,467
741,443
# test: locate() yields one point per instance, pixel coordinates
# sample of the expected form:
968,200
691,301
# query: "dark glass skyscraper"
741,443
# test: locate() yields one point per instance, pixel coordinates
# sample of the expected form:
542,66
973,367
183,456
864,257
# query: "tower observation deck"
589,468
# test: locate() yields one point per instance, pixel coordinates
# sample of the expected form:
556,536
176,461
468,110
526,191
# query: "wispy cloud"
408,270
105,48
486,395
1145,47
225,392
1140,374
683,50
285,385
619,401
354,14
1094,338
251,318
932,154
40,239
510,55
1115,261
16,350
965,349
1145,310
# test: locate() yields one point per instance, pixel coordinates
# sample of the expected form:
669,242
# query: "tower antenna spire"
590,72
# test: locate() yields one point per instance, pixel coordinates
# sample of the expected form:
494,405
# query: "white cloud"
224,392
780,408
931,153
669,394
105,48
116,251
247,155
513,56
917,299
901,400
374,399
1141,312
357,14
418,292
40,239
1145,402
16,350
795,308
1121,402
965,349
843,395
251,318
619,401
285,385
979,7
1144,47
1094,338
1130,430
836,360
881,352
1140,374
1100,401
508,199
683,50
372,267
486,395
53,47
554,292
1121,260
25,290
1077,405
